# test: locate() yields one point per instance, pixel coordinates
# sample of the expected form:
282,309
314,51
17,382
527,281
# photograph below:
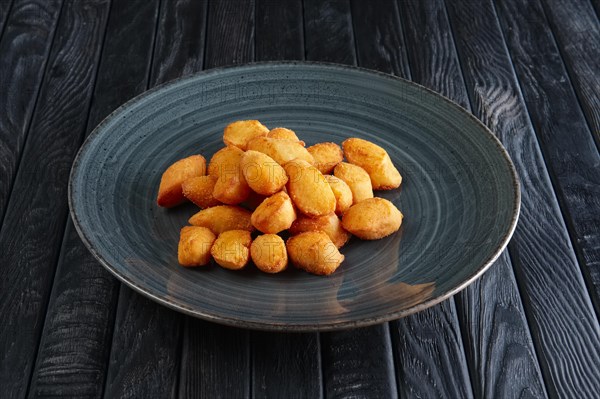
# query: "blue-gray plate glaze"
460,195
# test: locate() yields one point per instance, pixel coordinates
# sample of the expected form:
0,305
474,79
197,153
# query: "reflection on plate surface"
459,194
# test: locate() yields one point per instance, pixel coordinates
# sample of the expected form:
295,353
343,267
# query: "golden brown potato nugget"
375,160
284,133
231,250
326,156
269,253
372,219
308,189
281,150
314,252
328,224
274,214
222,218
225,161
241,132
170,192
194,246
342,193
357,179
262,173
199,190
231,189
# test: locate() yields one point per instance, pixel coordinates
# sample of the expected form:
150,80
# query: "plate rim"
304,327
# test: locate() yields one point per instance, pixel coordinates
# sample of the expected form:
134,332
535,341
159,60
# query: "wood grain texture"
5,6
141,323
328,31
37,210
430,358
230,34
279,30
577,30
75,345
492,319
215,360
24,47
564,327
283,365
355,362
559,124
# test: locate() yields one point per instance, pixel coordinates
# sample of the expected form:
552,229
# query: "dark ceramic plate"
459,196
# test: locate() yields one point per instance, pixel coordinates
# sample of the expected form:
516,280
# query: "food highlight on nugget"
264,183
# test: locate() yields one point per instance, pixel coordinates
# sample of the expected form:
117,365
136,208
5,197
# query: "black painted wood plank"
283,365
577,30
73,357
279,30
328,31
230,35
563,324
355,362
215,360
492,319
430,358
24,50
560,125
37,210
5,6
142,324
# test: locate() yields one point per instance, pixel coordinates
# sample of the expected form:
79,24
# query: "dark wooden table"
529,69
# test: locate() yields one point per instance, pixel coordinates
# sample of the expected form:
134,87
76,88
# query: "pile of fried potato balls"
267,180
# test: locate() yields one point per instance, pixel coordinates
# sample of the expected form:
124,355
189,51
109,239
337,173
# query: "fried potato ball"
375,160
328,224
326,156
281,150
314,252
170,192
274,214
284,133
231,249
269,254
357,179
194,246
308,189
222,218
199,190
241,132
342,193
372,219
262,173
225,161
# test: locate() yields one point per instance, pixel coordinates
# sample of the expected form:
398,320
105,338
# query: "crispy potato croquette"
225,161
222,218
281,150
308,189
262,173
342,193
269,254
314,252
170,192
357,179
375,160
326,155
284,133
194,246
274,214
328,224
199,190
231,249
372,219
241,132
